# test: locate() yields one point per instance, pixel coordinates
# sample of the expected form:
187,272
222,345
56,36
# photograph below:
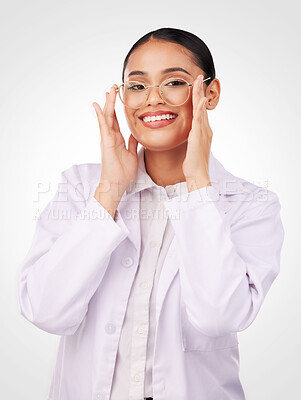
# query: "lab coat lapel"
129,208
227,185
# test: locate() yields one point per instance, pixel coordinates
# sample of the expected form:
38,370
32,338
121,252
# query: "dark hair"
201,53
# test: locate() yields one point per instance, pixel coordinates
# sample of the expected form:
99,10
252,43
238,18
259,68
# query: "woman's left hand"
196,164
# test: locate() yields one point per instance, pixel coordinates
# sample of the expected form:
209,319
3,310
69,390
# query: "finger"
106,104
205,113
199,113
201,106
115,121
132,144
197,92
203,109
201,85
116,124
203,103
104,131
107,100
109,112
203,118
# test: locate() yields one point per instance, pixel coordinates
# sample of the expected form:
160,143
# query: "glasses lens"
175,91
133,94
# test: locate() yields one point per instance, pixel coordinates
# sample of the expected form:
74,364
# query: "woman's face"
152,58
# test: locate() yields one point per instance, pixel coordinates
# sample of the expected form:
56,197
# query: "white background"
57,57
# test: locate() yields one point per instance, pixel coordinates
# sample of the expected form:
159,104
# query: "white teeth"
159,117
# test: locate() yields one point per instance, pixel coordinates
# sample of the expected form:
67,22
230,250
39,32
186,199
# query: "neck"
165,167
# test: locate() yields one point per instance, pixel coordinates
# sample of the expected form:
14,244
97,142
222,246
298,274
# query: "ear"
212,92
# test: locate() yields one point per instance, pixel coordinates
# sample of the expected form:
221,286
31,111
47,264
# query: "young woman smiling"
167,257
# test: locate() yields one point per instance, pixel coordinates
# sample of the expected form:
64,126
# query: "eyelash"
168,77
172,81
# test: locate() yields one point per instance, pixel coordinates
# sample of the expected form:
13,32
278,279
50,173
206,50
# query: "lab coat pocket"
194,340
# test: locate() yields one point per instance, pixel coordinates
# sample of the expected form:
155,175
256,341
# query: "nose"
154,96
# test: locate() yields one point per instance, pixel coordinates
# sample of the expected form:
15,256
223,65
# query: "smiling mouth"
160,123
159,120
160,117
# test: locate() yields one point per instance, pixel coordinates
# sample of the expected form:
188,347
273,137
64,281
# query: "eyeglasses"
174,91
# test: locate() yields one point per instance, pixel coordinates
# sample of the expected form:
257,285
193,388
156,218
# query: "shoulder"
244,197
258,192
81,179
254,200
87,173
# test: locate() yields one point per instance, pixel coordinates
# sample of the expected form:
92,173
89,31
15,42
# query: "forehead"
156,55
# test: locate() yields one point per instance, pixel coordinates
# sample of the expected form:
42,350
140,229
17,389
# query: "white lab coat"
76,278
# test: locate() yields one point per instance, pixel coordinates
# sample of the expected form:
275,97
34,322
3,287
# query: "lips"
154,113
158,123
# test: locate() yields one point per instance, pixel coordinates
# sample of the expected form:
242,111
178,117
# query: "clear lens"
174,91
133,94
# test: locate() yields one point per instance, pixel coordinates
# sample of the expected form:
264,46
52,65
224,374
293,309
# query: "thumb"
132,145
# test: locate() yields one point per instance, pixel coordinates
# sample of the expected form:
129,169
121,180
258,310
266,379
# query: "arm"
225,270
67,259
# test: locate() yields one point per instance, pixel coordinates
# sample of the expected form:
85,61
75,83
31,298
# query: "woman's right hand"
119,165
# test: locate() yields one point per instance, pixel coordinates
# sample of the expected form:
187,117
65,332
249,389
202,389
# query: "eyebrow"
164,71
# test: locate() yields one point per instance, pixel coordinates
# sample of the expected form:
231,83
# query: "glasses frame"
160,91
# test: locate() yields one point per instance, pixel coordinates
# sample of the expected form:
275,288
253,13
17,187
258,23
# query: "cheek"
189,110
131,119
186,120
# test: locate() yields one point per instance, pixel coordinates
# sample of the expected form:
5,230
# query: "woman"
149,263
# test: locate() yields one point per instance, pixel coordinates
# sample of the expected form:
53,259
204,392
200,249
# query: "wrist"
197,182
108,199
110,191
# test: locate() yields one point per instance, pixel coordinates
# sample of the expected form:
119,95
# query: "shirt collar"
220,178
142,180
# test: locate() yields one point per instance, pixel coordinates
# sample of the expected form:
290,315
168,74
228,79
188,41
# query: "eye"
135,87
175,82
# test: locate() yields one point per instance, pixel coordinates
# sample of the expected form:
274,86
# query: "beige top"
133,369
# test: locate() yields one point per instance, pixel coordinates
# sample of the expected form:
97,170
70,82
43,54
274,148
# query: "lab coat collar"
225,182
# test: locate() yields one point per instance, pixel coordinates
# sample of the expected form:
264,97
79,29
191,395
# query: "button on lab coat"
76,278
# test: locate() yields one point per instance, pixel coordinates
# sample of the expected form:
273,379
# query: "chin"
160,145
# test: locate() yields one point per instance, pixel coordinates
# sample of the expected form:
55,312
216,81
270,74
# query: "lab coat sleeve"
68,257
226,269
